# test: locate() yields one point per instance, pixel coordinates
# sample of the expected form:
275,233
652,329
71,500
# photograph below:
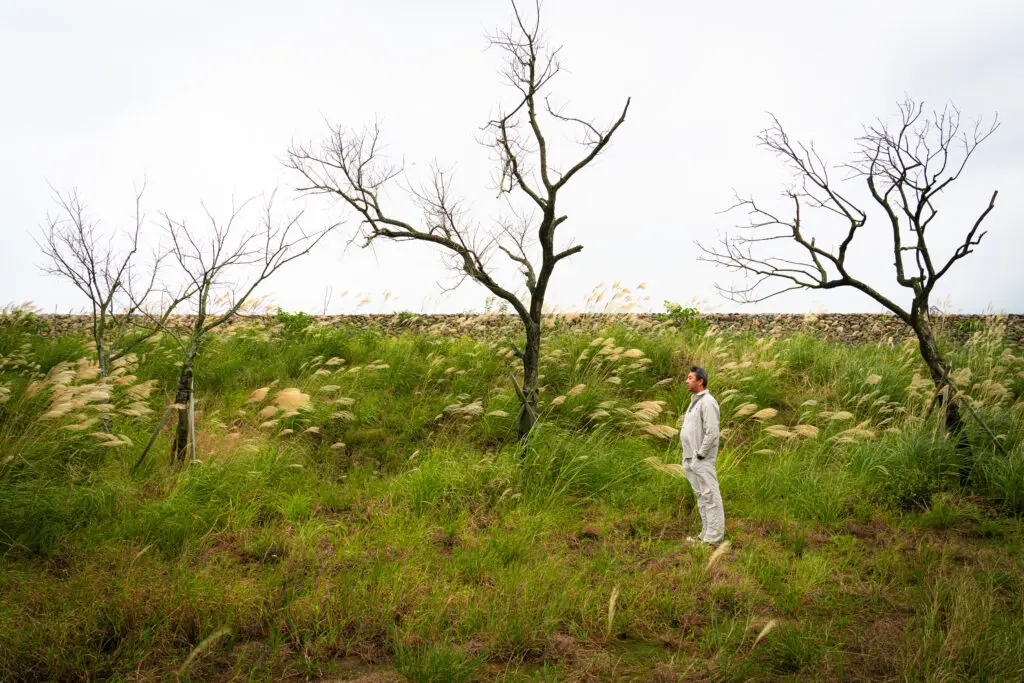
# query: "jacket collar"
696,397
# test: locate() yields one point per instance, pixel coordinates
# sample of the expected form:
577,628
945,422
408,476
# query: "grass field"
360,509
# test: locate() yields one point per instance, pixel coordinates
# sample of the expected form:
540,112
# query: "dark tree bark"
904,167
182,397
348,165
938,370
531,372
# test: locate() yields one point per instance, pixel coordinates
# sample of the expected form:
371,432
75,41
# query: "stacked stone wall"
838,327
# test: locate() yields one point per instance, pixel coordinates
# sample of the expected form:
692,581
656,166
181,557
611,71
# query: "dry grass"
292,399
313,538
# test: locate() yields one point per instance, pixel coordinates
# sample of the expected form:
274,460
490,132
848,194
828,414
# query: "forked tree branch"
904,167
350,165
113,281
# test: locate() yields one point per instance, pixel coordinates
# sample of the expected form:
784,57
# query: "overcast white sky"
202,99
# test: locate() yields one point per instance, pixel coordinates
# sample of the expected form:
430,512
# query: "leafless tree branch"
222,267
904,166
113,281
349,165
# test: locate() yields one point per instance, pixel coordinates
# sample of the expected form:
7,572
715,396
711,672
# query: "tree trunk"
531,370
938,370
101,356
179,449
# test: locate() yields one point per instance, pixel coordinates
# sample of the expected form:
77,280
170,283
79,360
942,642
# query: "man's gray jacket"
699,435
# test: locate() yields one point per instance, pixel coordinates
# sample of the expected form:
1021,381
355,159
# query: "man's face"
693,385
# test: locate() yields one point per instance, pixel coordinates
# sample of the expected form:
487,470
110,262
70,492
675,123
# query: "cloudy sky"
202,100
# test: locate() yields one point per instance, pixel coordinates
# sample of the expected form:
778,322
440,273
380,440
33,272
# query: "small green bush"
911,488
684,318
293,323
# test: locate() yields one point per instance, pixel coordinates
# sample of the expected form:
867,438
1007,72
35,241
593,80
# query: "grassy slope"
405,533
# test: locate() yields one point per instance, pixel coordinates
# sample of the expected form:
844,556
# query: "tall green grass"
406,530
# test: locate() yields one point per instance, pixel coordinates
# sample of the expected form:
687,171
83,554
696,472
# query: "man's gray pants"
704,480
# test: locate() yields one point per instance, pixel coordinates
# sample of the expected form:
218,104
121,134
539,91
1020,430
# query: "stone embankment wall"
839,327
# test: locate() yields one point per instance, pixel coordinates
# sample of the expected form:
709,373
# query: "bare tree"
110,279
221,270
905,167
349,165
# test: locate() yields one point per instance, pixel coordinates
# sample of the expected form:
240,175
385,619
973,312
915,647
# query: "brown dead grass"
875,654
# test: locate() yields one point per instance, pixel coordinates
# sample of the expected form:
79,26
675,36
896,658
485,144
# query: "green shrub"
684,318
293,323
911,488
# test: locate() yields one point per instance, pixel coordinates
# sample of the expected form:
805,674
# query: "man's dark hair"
700,374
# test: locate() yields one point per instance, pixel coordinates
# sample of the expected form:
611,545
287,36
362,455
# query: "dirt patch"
379,677
668,673
879,650
673,531
360,674
690,624
817,539
223,543
445,541
239,546
560,645
61,564
585,659
586,536
659,565
764,528
867,532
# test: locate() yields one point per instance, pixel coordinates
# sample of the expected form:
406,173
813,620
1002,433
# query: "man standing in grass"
699,438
